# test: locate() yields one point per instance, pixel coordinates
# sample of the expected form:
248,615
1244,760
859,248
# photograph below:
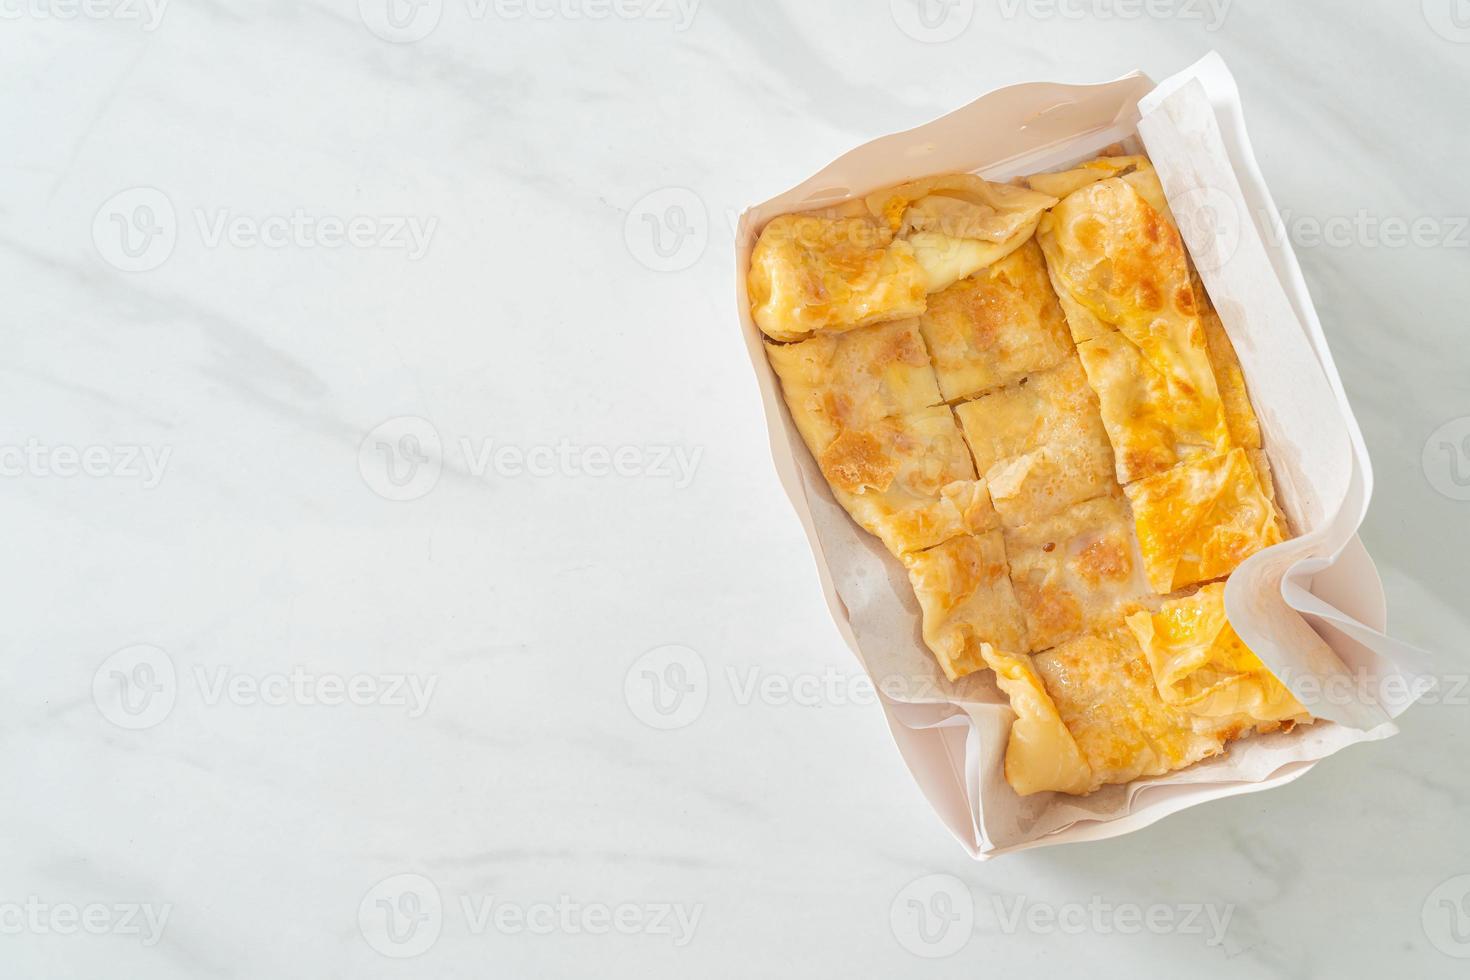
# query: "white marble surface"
251,538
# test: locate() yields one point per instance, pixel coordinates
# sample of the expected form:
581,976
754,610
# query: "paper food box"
1318,586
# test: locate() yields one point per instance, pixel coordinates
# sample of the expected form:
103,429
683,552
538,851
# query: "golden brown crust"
1121,272
1104,692
859,460
811,274
909,480
839,382
1201,666
1075,570
996,326
1116,255
1200,520
958,206
959,224
1240,416
1155,415
1041,755
964,589
1040,443
1261,463
1041,484
1066,182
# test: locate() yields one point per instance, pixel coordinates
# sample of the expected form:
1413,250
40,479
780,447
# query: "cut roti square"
1201,666
851,380
909,480
1117,254
958,224
1040,443
1137,171
1041,755
965,592
1074,570
998,325
829,272
1047,408
1123,277
1039,485
1200,520
1104,691
1159,403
